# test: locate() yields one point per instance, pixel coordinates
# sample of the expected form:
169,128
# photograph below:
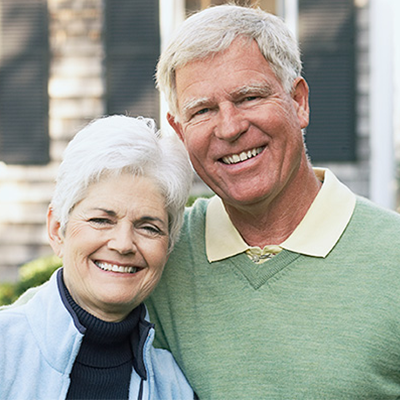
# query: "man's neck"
271,222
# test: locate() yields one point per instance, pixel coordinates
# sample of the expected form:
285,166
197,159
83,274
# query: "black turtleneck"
103,367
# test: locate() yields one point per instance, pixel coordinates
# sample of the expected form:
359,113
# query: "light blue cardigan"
40,340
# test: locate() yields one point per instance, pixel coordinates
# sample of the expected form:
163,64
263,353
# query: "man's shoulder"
199,207
192,236
372,225
195,215
372,212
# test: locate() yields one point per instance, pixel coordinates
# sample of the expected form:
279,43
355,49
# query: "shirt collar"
316,235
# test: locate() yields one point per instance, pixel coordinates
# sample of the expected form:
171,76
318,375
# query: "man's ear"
54,233
176,126
300,97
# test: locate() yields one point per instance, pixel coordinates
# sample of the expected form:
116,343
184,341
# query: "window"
24,58
326,31
132,40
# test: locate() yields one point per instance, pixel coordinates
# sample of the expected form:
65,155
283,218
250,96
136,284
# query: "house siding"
77,94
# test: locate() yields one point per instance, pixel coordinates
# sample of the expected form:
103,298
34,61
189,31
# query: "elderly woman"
114,217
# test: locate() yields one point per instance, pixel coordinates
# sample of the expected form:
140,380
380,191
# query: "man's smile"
243,156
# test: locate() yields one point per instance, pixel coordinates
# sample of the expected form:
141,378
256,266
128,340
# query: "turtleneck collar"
118,341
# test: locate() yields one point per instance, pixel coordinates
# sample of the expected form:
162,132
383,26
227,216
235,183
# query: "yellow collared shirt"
315,236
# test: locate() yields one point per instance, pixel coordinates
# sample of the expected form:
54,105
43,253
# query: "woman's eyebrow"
151,219
111,213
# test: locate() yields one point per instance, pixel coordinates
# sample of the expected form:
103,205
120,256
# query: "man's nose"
231,123
123,240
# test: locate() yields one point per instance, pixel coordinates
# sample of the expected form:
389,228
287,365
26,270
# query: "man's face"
241,129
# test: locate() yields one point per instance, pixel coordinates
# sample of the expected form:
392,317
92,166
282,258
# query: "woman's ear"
54,233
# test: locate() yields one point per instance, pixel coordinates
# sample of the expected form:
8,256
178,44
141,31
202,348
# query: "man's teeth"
243,156
115,268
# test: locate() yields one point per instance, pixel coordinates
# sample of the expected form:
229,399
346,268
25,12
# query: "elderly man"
285,285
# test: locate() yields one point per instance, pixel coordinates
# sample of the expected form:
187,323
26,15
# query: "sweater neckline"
137,341
259,274
105,344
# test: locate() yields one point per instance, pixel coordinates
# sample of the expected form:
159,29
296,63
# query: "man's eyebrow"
256,88
192,104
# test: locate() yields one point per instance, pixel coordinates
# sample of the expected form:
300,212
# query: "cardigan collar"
59,333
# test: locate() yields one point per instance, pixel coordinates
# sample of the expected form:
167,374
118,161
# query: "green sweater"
295,327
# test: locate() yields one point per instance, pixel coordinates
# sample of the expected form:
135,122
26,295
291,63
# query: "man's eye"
202,111
250,98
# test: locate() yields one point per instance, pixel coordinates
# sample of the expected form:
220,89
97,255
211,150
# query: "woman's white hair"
120,144
214,29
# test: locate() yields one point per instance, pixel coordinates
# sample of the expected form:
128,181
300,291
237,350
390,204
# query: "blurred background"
65,62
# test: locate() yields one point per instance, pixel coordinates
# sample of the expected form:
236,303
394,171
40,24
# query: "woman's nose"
123,240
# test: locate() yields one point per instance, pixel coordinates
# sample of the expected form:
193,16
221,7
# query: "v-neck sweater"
295,327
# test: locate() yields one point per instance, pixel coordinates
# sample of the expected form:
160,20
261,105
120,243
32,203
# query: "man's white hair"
214,29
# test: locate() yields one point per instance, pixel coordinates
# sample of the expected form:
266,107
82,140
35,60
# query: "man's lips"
105,266
243,156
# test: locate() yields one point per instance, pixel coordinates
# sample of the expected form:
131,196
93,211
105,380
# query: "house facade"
65,62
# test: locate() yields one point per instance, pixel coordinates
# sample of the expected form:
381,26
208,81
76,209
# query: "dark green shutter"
24,58
327,41
132,51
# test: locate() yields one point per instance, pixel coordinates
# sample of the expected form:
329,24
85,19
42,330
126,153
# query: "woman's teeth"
115,268
243,156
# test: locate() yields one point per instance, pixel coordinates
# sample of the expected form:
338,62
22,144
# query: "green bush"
31,274
193,198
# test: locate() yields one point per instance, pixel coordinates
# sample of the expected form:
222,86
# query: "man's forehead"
237,47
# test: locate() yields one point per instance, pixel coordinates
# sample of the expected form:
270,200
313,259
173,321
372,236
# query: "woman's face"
115,245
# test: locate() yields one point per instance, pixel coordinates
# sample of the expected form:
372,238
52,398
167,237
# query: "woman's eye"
100,221
152,229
